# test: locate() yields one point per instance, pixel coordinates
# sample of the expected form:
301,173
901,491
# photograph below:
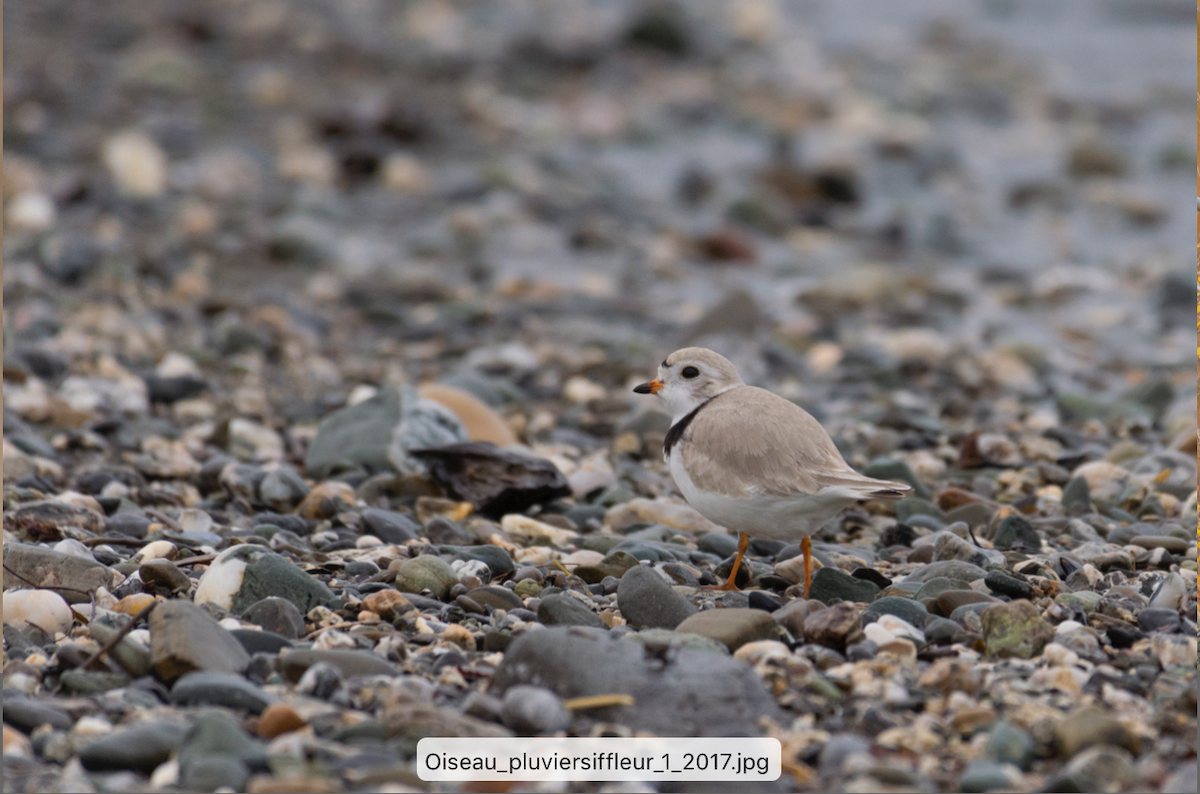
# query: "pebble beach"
321,324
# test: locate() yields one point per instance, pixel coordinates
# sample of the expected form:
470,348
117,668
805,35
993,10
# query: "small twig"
166,519
36,586
971,532
199,558
116,541
120,635
314,634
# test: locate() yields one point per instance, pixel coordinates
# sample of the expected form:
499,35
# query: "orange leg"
730,584
806,548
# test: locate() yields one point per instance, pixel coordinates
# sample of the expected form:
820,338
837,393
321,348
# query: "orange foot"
731,582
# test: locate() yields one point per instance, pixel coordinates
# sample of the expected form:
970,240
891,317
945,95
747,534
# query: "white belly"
787,518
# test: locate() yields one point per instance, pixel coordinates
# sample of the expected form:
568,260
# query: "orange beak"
653,387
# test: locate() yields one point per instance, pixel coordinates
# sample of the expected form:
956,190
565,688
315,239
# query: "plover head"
690,377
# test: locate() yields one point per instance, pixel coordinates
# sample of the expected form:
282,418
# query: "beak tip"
642,388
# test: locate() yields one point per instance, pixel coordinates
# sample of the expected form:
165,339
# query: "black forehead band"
665,364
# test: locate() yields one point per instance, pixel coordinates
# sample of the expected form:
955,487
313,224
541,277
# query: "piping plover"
750,460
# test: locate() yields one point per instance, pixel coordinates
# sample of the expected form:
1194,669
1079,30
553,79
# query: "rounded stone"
647,601
907,609
426,572
733,628
1016,629
833,583
561,609
534,710
42,609
278,719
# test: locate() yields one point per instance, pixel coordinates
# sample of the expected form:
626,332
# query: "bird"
752,461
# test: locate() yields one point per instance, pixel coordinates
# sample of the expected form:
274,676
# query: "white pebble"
1068,625
43,609
155,550
89,727
902,628
1169,592
877,634
136,163
1059,654
221,581
176,365
31,211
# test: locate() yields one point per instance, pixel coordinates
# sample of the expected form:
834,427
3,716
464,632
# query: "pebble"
646,600
829,584
534,711
293,664
1007,743
615,564
219,689
949,546
278,719
277,615
1003,584
243,575
733,628
43,609
390,526
1089,726
1157,619
326,500
909,610
561,609
1016,629
73,578
792,615
496,597
482,423
426,573
138,748
215,754
183,639
1102,769
1017,533
1169,593
836,627
136,163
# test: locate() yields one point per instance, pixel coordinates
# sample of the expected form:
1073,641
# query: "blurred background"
908,207
915,219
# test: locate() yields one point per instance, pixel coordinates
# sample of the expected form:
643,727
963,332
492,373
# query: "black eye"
690,372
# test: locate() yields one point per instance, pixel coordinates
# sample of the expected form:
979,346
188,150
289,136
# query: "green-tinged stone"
1084,599
426,572
1016,629
527,588
914,612
91,682
829,584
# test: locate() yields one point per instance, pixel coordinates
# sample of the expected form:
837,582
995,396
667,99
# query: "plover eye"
690,372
